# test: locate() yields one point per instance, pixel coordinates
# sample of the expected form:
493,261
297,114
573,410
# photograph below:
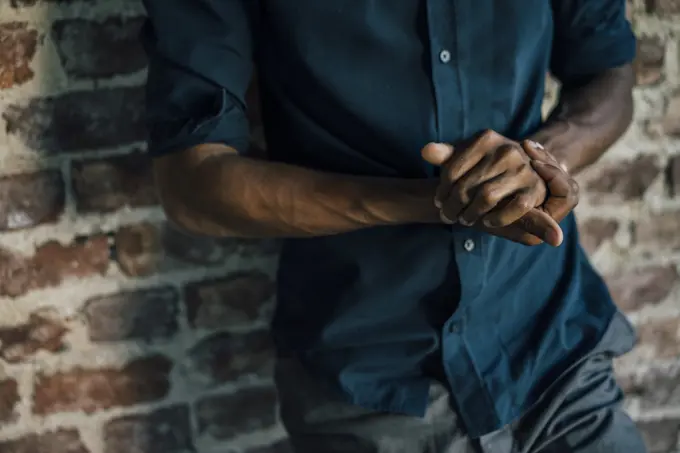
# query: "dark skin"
223,194
502,184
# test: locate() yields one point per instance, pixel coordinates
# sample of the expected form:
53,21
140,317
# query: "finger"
535,150
463,162
511,210
515,234
558,182
437,153
489,197
563,190
507,158
542,225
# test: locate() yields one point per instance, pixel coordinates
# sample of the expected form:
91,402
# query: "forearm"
589,119
228,195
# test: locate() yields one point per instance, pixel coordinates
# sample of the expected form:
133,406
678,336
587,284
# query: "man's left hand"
563,190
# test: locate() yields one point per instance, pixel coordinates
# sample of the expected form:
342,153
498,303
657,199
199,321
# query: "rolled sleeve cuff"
226,124
578,58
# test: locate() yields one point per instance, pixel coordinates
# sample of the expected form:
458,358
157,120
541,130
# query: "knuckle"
489,134
489,195
524,203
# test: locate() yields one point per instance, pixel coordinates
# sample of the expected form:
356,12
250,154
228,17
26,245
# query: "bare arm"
589,118
211,190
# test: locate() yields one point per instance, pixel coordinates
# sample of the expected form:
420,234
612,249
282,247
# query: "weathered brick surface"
595,231
61,441
230,301
78,121
105,307
628,180
97,49
40,333
108,184
166,430
94,389
51,263
226,416
9,397
30,199
227,357
649,62
635,288
133,315
18,43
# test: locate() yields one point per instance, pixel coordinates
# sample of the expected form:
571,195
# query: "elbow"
185,203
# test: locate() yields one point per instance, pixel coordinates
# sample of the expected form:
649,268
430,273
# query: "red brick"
51,264
234,300
229,356
596,231
61,441
633,289
627,180
79,121
107,185
90,390
649,61
9,397
30,199
661,436
658,230
133,315
96,49
18,44
41,332
165,430
226,416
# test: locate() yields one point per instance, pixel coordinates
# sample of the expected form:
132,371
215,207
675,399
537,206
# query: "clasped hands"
514,190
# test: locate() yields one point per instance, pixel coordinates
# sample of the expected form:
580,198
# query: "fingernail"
464,222
445,219
536,144
437,204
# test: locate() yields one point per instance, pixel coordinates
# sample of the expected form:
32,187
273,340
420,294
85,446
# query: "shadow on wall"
118,333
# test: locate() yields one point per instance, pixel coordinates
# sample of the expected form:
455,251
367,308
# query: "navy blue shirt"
359,87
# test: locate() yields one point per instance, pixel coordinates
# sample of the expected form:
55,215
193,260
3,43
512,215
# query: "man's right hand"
519,182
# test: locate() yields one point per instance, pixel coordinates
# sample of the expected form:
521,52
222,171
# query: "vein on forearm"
589,118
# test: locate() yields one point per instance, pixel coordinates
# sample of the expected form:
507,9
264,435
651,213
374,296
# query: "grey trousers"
580,413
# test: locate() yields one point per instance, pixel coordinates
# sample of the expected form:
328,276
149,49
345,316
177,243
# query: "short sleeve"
590,36
200,64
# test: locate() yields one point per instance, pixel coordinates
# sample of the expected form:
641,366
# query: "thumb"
437,153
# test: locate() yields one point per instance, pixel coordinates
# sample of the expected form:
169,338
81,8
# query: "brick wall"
119,334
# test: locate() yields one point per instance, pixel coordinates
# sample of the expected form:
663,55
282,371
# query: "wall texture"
121,335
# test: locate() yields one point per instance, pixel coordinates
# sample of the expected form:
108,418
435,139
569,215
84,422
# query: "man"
432,294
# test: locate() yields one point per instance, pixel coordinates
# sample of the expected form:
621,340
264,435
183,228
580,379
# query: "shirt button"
469,245
454,327
444,56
